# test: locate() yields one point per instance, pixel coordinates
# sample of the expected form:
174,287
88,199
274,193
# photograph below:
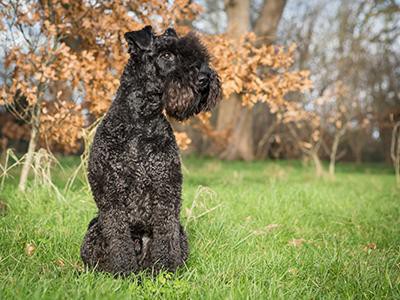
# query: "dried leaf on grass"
30,249
297,242
369,247
272,227
267,229
59,262
293,271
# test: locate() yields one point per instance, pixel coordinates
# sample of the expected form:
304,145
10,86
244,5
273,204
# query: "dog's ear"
141,39
170,32
209,88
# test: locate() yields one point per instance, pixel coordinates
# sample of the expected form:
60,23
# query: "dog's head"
179,67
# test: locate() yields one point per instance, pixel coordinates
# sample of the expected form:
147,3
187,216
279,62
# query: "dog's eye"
167,56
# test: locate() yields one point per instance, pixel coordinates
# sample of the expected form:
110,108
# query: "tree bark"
241,142
356,141
334,149
319,170
263,144
313,152
265,28
3,149
267,23
395,151
31,148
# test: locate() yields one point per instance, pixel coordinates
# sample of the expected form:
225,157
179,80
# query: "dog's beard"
182,102
179,101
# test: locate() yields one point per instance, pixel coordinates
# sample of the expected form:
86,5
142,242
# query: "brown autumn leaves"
63,59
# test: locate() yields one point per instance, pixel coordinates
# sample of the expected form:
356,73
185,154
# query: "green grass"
234,253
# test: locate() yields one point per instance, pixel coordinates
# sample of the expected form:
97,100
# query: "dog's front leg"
164,249
121,257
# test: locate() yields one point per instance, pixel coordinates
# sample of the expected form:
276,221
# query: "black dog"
134,166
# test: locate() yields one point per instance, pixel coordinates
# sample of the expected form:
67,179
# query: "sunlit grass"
257,230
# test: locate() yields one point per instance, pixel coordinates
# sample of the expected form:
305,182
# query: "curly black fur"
134,166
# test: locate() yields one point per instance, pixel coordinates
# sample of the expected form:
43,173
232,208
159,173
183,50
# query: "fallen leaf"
293,271
267,229
60,262
369,247
30,249
271,227
296,242
258,232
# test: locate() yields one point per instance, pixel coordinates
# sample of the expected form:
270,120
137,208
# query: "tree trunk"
263,144
356,141
241,143
334,149
31,148
3,155
265,27
395,151
28,159
319,170
241,140
267,23
358,156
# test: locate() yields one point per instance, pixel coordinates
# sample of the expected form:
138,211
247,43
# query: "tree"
232,115
63,58
395,150
358,48
57,49
305,129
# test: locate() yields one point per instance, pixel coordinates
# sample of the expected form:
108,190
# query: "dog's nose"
204,75
204,68
170,32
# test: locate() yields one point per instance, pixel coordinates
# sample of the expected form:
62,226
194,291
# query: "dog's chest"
152,158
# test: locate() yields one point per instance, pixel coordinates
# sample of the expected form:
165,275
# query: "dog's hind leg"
92,249
184,243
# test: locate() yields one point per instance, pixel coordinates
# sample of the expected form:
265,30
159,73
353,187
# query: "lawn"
259,230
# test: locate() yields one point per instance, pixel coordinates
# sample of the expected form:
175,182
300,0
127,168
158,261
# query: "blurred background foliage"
313,80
